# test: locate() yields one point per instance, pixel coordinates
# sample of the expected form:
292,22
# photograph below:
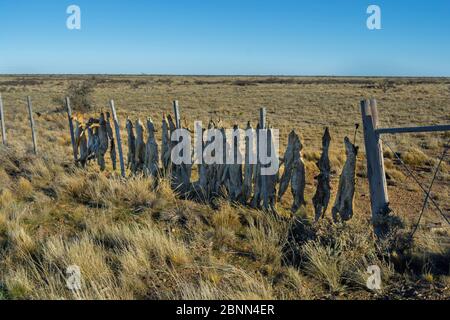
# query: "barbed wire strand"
416,227
417,180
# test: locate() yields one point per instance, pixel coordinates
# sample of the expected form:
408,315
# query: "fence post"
375,165
176,110
33,133
119,140
2,116
263,127
72,133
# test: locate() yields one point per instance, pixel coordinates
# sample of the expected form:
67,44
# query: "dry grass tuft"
415,157
325,263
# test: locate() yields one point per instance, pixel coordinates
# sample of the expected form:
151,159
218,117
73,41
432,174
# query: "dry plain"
133,242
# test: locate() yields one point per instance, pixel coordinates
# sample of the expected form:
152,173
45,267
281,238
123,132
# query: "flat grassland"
131,242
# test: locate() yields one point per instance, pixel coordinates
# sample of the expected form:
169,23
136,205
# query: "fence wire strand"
416,227
427,193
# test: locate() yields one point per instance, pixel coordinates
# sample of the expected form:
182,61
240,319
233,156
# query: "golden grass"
325,264
132,241
126,256
415,157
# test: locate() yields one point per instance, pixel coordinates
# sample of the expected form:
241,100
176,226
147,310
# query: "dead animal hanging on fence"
112,150
103,143
211,168
143,156
222,181
180,173
81,140
288,162
264,196
256,200
322,196
294,172
165,147
270,193
172,127
139,149
298,178
201,186
343,206
93,139
233,171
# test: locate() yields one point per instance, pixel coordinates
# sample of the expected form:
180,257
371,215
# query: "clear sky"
279,37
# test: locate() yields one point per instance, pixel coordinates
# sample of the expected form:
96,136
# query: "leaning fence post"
375,165
119,140
2,118
72,133
33,133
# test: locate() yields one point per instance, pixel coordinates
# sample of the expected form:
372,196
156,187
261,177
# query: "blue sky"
279,37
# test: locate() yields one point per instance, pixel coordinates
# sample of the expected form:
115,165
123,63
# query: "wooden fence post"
2,116
248,167
323,192
33,133
262,118
119,140
72,133
263,127
139,154
375,165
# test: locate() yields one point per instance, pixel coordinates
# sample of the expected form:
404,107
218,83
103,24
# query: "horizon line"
221,75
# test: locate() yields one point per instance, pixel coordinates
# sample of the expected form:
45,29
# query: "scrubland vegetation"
132,241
